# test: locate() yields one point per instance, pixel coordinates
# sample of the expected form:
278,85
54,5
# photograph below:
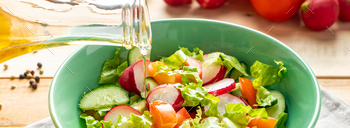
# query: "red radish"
211,4
177,2
344,13
123,110
124,80
221,87
212,73
192,62
226,98
205,56
167,93
136,76
319,14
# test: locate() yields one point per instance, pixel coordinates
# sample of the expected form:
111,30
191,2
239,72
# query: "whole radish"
177,2
344,13
211,4
319,14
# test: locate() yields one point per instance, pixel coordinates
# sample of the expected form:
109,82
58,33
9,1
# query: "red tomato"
163,113
248,91
177,2
277,10
181,116
259,123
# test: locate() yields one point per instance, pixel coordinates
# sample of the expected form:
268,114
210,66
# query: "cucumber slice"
135,55
152,83
275,110
139,105
235,73
104,96
134,98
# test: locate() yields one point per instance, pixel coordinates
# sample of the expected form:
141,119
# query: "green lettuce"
197,53
229,62
176,60
110,69
121,68
108,124
188,75
236,112
195,94
193,123
90,121
264,98
135,121
281,121
211,122
265,74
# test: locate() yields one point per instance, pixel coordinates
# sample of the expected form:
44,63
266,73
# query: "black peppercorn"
39,65
34,86
31,82
21,76
37,79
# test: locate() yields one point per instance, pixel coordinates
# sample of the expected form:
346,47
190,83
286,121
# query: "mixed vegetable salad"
185,90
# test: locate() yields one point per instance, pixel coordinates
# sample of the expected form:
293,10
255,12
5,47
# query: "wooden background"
325,52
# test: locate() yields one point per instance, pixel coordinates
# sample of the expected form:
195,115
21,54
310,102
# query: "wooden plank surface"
324,51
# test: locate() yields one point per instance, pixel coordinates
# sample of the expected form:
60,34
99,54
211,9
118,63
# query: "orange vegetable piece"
163,114
178,78
259,123
181,116
161,78
248,91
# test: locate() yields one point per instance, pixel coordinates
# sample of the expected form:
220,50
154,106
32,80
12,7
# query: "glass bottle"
31,25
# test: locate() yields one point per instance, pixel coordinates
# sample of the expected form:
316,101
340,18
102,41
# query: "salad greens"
264,98
135,121
236,112
265,74
282,119
229,62
110,69
177,60
197,53
92,123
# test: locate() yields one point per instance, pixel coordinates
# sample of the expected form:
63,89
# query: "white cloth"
335,113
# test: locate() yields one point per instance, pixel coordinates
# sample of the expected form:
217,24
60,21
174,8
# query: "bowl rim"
318,92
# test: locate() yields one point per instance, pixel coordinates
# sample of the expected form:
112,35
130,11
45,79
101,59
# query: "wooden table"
324,51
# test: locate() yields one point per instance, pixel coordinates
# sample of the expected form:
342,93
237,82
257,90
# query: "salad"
185,90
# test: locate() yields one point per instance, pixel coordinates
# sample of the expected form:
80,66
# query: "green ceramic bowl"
299,86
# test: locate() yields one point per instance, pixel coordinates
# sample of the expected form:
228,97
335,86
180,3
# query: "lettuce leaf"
110,69
281,121
264,97
236,112
265,74
229,62
195,94
189,74
108,124
143,121
122,122
90,121
176,60
121,68
197,53
193,123
211,122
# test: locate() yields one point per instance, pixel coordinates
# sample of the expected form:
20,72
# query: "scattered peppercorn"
39,65
21,76
6,66
25,74
35,51
13,77
29,76
32,72
28,71
13,86
41,72
34,86
37,79
31,82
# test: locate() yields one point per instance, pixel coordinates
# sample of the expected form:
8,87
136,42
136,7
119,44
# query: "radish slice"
167,93
205,56
211,73
123,110
137,76
221,87
125,81
226,98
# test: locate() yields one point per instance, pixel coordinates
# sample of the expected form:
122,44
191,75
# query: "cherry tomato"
259,123
248,91
181,116
211,4
163,114
277,10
